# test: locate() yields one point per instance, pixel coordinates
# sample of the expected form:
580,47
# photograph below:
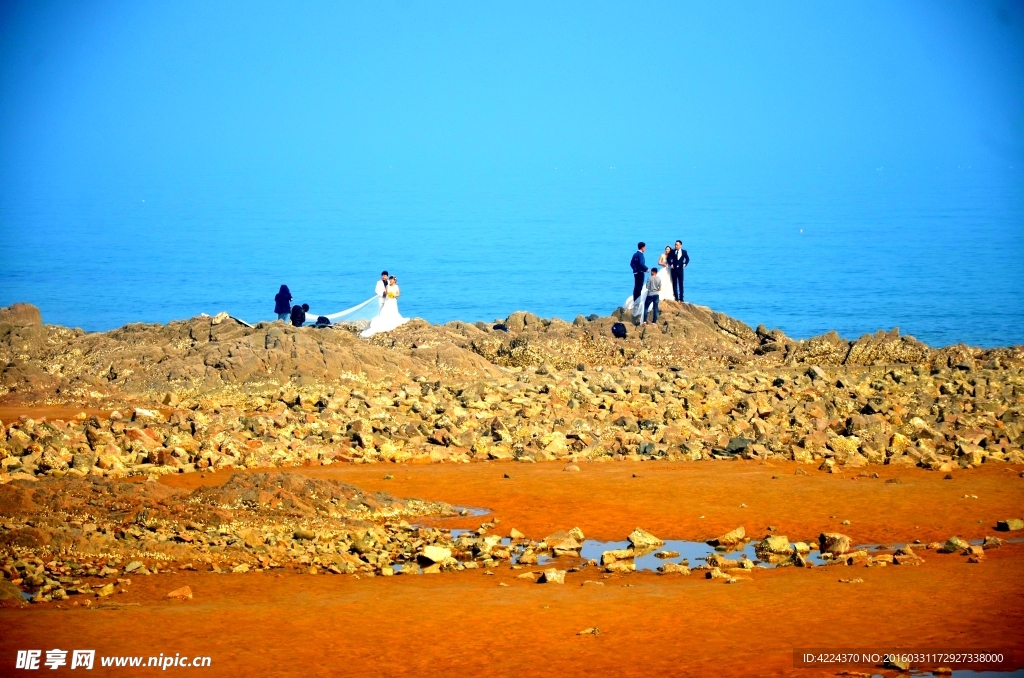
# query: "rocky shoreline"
213,395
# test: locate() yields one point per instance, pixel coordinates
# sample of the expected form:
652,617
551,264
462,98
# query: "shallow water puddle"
690,552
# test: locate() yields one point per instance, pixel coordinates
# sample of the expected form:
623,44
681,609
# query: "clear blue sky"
95,93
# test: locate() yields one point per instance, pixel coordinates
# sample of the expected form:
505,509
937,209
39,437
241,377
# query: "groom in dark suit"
678,259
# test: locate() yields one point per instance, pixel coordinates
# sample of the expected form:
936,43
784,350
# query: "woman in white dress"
666,275
389,318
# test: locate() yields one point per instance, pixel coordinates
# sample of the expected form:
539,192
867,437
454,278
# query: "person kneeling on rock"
299,314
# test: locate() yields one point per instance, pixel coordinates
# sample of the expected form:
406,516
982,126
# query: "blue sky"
107,92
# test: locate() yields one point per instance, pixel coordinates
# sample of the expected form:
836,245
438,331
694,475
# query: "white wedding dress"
666,280
389,318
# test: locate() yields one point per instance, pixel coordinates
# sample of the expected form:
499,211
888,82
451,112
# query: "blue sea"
937,253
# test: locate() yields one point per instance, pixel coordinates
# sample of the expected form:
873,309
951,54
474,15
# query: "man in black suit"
677,261
639,267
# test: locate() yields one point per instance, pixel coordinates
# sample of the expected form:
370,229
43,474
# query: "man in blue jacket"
639,267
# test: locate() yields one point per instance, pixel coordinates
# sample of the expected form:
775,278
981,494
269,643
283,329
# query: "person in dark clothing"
283,303
678,260
639,267
299,314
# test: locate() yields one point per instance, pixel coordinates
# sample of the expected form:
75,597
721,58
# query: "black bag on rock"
619,331
323,321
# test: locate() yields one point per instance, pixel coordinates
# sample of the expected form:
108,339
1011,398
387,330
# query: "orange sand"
466,624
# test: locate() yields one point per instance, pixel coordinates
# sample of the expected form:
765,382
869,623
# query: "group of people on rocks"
284,309
651,285
387,318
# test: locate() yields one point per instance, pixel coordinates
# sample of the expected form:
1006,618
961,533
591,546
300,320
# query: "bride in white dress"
389,318
667,294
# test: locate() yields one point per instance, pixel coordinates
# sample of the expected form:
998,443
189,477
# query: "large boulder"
20,315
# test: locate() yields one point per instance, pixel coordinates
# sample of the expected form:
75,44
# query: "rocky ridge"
938,409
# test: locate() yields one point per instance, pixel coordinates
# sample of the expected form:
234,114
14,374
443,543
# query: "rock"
435,554
621,566
773,548
666,554
642,540
590,632
304,534
834,543
184,593
1010,525
10,595
609,557
897,664
992,543
856,580
816,373
240,568
673,568
552,576
731,538
562,542
132,566
955,545
515,534
737,445
571,467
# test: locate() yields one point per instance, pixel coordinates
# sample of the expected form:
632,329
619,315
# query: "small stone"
834,543
184,593
729,538
571,468
641,539
552,576
856,580
435,554
898,664
666,554
240,568
516,534
132,566
1010,525
955,544
590,632
674,568
991,543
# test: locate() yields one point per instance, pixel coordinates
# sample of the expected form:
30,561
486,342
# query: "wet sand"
698,501
466,623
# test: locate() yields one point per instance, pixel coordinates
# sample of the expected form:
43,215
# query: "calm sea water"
938,254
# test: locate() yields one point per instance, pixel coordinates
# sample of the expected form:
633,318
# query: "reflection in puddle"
471,511
965,673
690,552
